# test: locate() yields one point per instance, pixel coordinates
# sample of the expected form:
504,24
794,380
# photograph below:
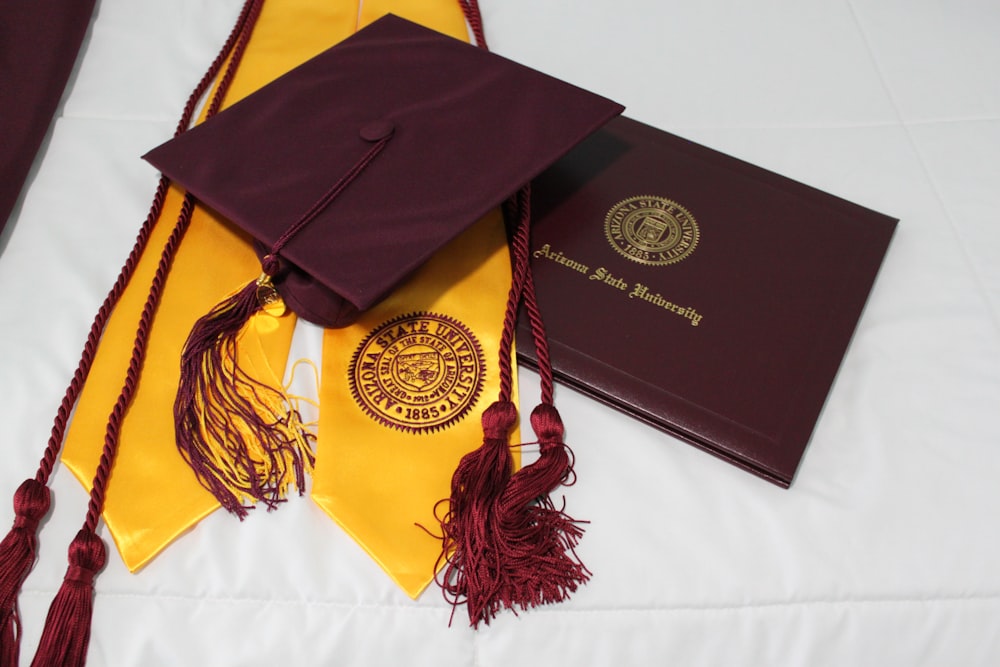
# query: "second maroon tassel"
66,635
543,565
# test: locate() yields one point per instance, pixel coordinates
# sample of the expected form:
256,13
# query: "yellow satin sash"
153,496
396,408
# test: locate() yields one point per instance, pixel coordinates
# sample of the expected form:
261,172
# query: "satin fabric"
153,496
382,483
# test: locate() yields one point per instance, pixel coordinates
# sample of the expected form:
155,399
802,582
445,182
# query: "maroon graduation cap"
456,130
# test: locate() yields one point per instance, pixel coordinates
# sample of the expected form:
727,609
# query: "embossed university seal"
419,372
651,230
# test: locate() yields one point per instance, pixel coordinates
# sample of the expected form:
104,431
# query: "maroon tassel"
509,546
66,634
474,558
239,435
540,539
18,552
211,337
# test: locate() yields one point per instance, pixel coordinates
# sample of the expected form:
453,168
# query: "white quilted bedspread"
884,552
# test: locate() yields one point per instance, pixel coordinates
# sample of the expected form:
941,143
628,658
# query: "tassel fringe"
507,545
66,634
542,539
18,552
10,638
474,554
243,439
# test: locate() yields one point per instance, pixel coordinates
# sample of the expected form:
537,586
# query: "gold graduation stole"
155,497
398,413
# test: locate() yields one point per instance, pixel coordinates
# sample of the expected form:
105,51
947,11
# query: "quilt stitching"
974,269
987,598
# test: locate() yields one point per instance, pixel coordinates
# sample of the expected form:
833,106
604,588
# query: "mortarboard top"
468,128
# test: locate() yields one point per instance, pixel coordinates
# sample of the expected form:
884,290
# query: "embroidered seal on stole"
419,372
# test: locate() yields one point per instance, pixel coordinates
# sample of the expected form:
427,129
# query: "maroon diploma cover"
700,294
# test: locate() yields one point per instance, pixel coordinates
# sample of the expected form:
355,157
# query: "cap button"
377,130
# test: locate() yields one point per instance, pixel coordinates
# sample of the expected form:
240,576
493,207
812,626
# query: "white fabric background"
883,552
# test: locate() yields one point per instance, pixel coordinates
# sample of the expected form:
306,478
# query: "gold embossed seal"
419,372
651,230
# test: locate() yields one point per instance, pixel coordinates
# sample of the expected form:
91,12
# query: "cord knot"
498,419
547,423
31,502
87,554
270,265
